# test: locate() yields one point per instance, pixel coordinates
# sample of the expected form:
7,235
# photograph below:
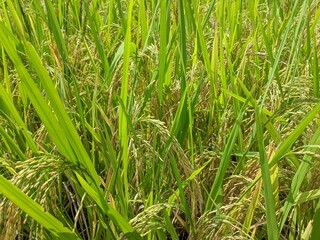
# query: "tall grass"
159,119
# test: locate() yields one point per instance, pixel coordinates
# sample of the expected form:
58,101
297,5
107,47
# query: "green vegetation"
158,119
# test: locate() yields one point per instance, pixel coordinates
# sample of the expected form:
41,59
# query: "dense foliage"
159,119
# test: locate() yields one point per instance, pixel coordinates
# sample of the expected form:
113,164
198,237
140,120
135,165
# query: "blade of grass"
272,227
16,19
163,47
123,124
9,109
61,130
64,121
206,59
14,148
252,207
114,215
55,28
307,196
287,143
315,234
94,28
143,20
279,52
225,161
297,180
34,210
315,70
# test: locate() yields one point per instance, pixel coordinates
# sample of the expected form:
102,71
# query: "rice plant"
159,119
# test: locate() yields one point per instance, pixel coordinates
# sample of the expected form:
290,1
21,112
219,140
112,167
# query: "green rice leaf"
34,210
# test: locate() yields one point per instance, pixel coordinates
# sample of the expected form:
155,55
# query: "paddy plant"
159,119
